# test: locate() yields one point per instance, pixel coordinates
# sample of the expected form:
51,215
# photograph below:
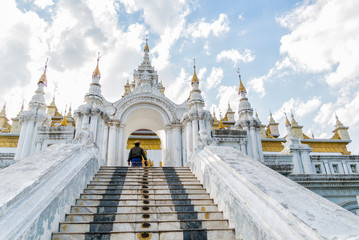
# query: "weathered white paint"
36,192
262,204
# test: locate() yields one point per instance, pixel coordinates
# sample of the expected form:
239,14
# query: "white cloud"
323,38
43,3
180,89
235,56
256,84
203,29
214,78
298,107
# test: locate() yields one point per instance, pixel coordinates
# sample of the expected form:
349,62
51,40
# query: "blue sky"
294,56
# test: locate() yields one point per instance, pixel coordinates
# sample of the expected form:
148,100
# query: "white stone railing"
36,192
262,204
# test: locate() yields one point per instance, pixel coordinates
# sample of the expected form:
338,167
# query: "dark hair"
137,144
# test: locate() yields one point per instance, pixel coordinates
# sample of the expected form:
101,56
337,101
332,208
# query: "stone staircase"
144,203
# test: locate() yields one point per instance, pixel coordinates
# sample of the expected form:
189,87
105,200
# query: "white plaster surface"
262,204
36,192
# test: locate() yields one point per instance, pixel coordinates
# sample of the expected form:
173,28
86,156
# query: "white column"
177,146
122,161
85,121
111,157
34,136
167,161
194,135
184,147
189,140
27,141
297,166
306,162
105,141
93,126
259,145
21,140
249,142
252,132
78,126
242,143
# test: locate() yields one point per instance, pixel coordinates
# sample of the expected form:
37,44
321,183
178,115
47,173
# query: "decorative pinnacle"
96,72
286,120
146,47
194,78
43,78
241,86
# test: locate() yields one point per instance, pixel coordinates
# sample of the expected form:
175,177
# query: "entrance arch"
149,141
145,116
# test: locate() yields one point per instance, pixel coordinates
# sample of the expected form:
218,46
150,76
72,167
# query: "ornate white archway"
145,116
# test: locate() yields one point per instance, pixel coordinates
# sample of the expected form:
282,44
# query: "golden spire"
96,72
63,122
3,109
43,78
294,122
241,86
286,120
271,119
146,47
338,123
69,113
194,78
52,104
221,126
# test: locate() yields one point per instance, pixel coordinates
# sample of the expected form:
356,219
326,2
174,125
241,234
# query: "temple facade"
173,133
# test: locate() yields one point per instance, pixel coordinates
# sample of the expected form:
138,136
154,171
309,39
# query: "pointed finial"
241,86
286,120
3,108
96,72
69,113
338,122
271,119
292,116
194,78
43,78
146,49
312,135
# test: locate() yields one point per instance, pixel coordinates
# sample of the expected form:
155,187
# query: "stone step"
131,175
145,186
150,191
141,196
78,217
149,225
144,207
188,234
125,202
136,177
146,181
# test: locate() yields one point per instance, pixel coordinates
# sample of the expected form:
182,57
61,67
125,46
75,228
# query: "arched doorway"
145,116
150,142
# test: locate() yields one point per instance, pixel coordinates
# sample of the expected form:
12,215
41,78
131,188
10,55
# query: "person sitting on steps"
135,155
